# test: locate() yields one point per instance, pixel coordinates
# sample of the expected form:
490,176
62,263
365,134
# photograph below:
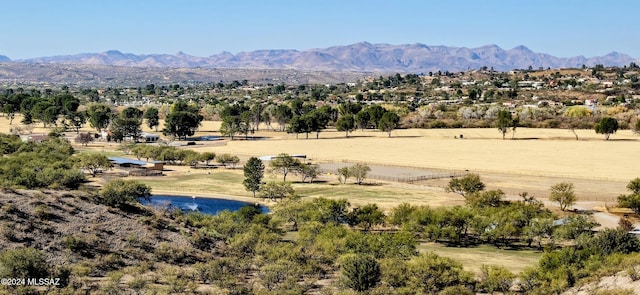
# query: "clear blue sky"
563,28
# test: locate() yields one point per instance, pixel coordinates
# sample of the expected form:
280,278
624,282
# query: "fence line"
316,160
403,178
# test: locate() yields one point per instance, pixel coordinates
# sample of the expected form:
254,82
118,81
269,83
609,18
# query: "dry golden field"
535,160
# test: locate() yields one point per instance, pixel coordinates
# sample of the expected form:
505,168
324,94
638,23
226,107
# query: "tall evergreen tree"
253,174
153,119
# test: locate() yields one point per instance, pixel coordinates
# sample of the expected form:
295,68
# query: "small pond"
199,204
205,138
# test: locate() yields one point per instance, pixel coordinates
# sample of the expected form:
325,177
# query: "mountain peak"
113,52
362,56
4,58
522,48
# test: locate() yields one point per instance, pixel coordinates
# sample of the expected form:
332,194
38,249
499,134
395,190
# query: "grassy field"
552,153
535,160
472,258
228,183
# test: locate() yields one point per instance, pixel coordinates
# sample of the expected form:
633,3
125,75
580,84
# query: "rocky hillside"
363,56
91,240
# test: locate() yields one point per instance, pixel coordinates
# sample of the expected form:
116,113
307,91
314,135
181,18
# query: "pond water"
205,138
199,204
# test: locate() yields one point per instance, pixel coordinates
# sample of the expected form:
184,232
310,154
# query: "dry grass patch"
228,184
552,154
472,258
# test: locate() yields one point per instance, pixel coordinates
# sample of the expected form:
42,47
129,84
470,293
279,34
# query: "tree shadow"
370,184
404,136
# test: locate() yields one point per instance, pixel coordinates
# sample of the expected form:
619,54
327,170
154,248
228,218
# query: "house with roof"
137,167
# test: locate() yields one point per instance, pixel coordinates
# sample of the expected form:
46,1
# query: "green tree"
430,273
274,190
11,105
631,201
612,240
636,127
93,162
46,112
76,120
360,272
388,122
465,185
401,214
366,216
283,115
298,125
152,117
207,157
606,126
309,171
183,120
484,199
284,163
253,174
84,138
317,120
359,171
503,122
576,113
127,124
99,116
515,122
362,119
235,119
346,123
563,194
349,108
496,278
575,226
344,173
227,160
118,193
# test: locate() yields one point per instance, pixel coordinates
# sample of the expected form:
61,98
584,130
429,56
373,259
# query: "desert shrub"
634,272
430,273
496,278
360,272
456,290
221,272
168,253
23,263
120,192
438,124
10,208
227,160
42,211
8,231
612,241
75,244
551,123
109,262
625,224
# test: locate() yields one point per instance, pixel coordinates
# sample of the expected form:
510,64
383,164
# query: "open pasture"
472,258
535,152
533,161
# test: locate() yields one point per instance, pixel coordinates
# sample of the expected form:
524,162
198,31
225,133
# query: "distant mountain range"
359,57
